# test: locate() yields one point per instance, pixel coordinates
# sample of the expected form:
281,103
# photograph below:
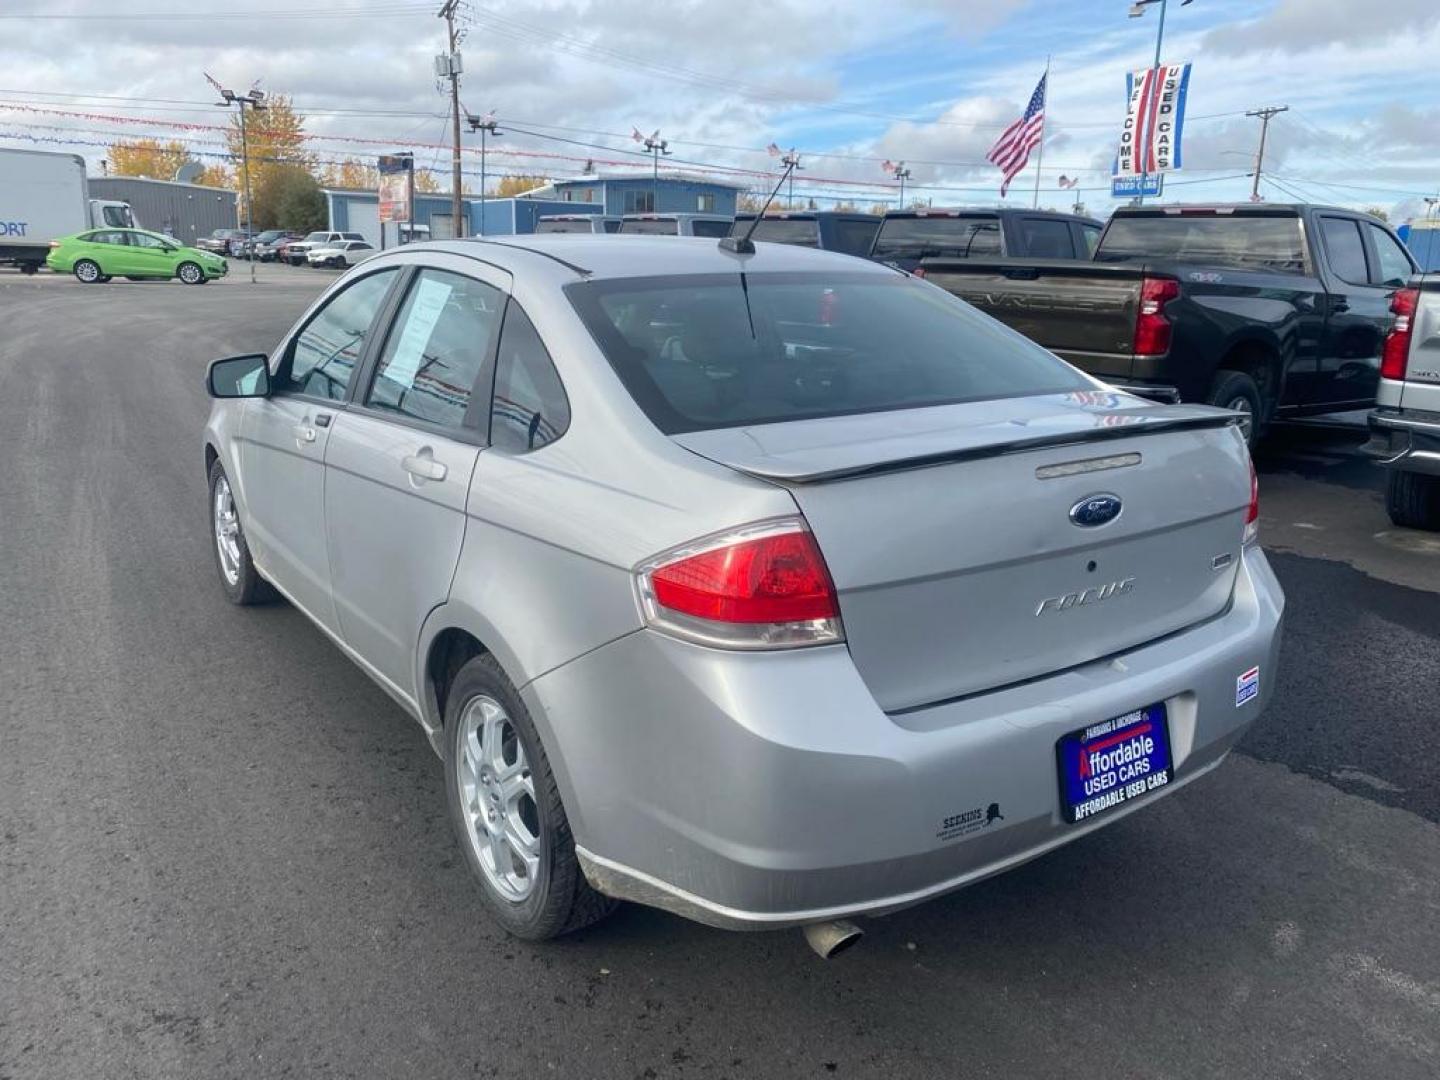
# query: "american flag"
1011,151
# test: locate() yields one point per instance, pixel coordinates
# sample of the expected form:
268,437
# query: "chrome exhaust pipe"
829,939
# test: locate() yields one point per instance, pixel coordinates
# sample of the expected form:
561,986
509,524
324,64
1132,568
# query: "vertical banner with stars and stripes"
1150,141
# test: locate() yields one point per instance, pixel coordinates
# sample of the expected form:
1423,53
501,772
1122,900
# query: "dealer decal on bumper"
1247,686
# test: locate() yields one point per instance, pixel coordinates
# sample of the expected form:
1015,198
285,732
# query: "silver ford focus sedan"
768,588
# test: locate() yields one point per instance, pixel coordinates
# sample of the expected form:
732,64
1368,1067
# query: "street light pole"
487,126
1137,10
792,162
902,174
254,99
656,146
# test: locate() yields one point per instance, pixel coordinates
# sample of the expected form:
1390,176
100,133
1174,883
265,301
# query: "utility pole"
656,146
490,126
253,99
448,66
1264,114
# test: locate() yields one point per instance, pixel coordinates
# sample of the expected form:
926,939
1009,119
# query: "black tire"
29,268
190,273
248,587
561,900
87,272
1237,390
1413,500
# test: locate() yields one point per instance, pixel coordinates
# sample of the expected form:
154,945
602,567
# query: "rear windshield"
562,226
660,227
722,350
926,237
1240,241
800,231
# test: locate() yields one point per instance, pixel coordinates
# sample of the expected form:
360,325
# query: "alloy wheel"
87,272
497,797
190,274
227,532
1241,404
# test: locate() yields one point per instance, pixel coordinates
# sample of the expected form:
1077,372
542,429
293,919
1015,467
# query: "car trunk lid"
948,531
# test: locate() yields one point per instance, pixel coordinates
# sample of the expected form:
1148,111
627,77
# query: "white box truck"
44,196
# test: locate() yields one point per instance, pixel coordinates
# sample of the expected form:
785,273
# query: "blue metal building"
636,193
359,211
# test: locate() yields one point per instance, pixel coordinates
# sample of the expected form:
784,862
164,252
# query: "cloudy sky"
847,82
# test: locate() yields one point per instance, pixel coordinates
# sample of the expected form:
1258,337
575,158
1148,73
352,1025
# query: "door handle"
303,432
423,466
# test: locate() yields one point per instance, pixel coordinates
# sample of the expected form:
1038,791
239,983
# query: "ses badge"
1247,686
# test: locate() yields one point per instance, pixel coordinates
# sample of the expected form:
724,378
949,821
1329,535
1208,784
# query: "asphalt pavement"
223,851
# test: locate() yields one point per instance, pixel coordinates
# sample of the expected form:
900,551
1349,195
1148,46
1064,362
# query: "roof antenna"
743,245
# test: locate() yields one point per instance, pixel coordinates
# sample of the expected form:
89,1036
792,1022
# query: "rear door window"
436,349
1089,240
1345,249
530,408
855,237
1395,267
702,351
1240,241
1047,238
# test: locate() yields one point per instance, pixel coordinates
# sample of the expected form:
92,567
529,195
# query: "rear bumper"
1405,439
757,791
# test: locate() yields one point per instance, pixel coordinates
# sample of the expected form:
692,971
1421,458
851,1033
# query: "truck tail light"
1394,356
1252,512
762,587
1152,325
54,243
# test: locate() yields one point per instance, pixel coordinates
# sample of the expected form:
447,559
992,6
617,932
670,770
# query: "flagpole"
1040,150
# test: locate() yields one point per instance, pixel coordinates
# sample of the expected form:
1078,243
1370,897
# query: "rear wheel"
1413,500
506,811
87,272
190,274
1238,392
29,268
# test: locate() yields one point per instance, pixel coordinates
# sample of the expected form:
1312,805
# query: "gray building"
184,211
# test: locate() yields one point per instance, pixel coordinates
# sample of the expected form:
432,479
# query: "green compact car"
100,254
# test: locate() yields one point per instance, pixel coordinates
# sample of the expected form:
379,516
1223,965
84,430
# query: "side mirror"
239,377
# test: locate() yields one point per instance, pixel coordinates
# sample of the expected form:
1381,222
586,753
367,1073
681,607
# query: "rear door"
1347,370
400,458
284,436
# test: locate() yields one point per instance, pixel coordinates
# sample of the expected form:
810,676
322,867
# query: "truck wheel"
1237,391
505,807
87,272
1413,500
29,268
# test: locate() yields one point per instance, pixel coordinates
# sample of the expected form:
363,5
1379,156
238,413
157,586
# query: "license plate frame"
1111,763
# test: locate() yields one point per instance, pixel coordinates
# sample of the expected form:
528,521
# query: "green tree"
290,199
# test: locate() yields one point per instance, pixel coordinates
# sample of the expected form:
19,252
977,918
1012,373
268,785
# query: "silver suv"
766,588
1405,425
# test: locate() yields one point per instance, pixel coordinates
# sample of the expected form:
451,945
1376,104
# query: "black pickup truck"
1272,310
908,236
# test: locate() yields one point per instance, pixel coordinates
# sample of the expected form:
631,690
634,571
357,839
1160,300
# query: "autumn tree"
148,157
425,181
352,175
518,185
276,138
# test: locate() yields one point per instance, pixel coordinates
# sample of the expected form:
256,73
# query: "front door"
399,464
151,256
284,437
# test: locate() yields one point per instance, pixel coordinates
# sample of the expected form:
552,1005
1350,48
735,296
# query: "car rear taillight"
762,587
1252,512
1394,356
1152,325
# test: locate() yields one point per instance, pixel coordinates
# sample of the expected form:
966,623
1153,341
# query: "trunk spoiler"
758,452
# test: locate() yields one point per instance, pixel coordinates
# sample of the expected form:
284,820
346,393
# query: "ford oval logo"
1095,510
